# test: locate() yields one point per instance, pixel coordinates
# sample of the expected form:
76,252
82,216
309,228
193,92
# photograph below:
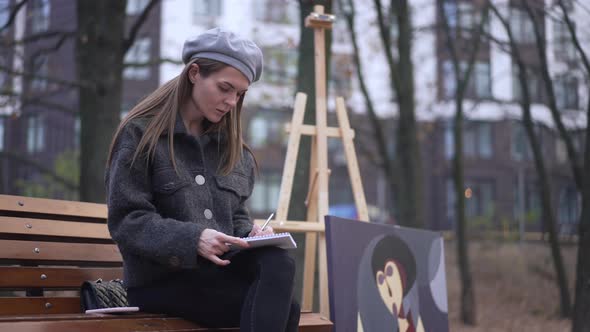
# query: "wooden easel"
317,198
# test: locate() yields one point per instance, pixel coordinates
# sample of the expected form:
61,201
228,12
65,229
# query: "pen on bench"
267,221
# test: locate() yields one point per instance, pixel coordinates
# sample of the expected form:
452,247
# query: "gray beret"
227,47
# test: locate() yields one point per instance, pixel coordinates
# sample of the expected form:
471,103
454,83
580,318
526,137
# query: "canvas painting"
385,278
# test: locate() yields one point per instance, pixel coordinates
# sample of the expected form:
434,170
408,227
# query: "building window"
534,85
341,69
258,132
4,12
479,199
566,92
462,17
2,122
3,74
520,146
39,11
479,86
522,26
277,11
482,80
265,195
564,47
77,131
280,65
569,210
40,68
264,130
477,140
35,134
206,8
139,56
532,203
136,7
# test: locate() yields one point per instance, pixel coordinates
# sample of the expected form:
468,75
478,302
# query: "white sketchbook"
281,240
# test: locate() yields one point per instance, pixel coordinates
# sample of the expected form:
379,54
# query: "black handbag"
101,294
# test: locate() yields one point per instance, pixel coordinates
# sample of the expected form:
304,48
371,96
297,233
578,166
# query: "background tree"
100,48
535,11
382,156
101,43
408,193
581,311
462,76
545,186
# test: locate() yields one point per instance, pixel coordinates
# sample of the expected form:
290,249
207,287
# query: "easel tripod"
317,199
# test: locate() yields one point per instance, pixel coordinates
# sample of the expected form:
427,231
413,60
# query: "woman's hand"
213,244
257,231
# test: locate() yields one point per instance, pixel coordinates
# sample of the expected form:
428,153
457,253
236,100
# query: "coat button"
200,180
208,214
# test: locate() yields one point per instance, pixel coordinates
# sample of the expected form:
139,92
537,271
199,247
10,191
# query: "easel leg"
310,238
291,158
351,160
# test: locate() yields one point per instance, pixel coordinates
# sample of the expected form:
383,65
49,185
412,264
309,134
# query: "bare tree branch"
13,14
63,37
152,63
542,52
137,25
39,36
21,158
74,84
377,131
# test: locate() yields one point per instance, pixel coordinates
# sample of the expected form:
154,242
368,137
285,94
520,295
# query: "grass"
515,288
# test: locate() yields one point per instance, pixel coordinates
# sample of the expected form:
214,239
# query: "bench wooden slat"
52,251
310,322
72,317
59,277
30,226
52,206
39,305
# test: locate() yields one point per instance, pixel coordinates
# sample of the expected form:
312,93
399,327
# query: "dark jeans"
254,292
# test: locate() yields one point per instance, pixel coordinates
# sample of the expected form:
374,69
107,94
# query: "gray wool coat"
156,216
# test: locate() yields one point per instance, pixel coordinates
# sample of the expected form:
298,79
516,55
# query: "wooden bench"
48,248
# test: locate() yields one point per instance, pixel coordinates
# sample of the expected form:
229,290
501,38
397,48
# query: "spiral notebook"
281,240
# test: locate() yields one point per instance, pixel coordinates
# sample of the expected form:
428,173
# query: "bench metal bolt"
37,250
21,204
48,305
43,277
29,226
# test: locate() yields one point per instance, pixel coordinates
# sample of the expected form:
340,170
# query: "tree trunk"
580,320
467,291
409,194
468,309
99,59
581,312
548,216
401,73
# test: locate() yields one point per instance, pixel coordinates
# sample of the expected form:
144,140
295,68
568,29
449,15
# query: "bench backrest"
47,249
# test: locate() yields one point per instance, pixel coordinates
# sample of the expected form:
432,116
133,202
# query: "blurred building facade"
501,184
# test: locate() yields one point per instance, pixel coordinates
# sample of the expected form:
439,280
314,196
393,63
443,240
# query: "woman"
177,179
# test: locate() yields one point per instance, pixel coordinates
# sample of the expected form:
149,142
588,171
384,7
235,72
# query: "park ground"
515,286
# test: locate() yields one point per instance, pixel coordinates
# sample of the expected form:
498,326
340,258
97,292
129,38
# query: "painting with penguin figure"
385,278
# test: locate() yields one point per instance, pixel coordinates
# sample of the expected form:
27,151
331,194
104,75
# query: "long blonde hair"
161,109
